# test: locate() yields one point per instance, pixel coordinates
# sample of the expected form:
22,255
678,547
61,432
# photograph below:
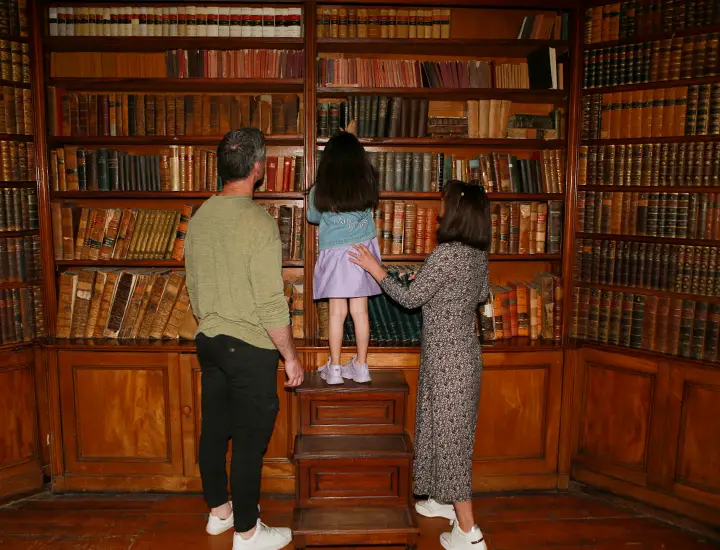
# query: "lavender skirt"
336,277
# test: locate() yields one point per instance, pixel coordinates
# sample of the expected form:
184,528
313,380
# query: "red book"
513,303
287,170
271,173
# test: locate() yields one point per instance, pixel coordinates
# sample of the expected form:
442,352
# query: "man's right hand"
295,373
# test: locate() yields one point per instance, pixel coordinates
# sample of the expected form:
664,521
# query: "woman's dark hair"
346,181
467,215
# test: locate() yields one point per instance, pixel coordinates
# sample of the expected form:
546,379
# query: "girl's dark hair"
467,215
346,181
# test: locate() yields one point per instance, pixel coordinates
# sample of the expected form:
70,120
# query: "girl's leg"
465,516
359,313
338,312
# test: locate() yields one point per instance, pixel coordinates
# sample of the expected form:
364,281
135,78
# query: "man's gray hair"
238,152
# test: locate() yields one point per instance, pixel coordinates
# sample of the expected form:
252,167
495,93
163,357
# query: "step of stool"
359,526
353,470
352,408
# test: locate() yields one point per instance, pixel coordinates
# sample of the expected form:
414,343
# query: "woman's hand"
361,256
351,128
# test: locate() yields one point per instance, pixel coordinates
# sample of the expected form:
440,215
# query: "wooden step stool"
354,464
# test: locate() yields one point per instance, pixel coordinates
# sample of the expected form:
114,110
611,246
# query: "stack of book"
641,18
15,62
658,61
350,22
16,111
22,314
13,18
183,21
526,227
651,164
675,326
667,267
376,116
236,64
122,114
18,209
405,228
662,112
523,309
673,215
291,221
20,259
17,160
283,174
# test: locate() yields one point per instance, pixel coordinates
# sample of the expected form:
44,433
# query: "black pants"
239,401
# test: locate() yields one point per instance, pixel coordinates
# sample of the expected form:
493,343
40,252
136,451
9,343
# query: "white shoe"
332,374
264,538
359,372
457,539
217,526
433,509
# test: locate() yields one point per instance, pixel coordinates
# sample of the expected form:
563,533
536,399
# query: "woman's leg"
465,516
338,312
361,320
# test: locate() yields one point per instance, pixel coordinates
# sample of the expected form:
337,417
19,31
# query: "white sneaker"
359,372
433,509
457,539
217,526
264,538
332,374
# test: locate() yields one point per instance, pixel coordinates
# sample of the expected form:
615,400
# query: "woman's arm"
312,215
434,273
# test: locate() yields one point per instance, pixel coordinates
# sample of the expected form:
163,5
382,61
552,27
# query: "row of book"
116,233
674,326
20,259
291,222
122,114
526,227
295,294
375,116
670,112
658,61
15,62
654,164
283,174
405,228
545,27
13,18
236,64
121,304
623,20
523,309
673,215
496,172
18,209
666,267
350,22
540,72
176,168
184,21
16,111
22,314
17,160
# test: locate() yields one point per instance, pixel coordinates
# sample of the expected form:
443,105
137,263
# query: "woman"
451,283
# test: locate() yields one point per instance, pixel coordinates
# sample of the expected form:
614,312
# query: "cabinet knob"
186,410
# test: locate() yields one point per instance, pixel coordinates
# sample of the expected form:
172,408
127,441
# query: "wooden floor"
157,522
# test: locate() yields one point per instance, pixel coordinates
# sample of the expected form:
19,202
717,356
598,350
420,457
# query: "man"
234,277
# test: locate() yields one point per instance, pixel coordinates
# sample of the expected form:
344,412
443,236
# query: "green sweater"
233,260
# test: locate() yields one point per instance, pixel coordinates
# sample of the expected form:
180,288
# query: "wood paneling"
121,413
20,464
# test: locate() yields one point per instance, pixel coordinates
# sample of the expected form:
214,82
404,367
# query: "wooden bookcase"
550,411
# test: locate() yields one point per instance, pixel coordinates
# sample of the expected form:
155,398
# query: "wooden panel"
694,434
518,415
120,413
20,464
616,396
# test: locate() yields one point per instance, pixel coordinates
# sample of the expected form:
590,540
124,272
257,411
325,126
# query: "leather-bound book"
95,303
119,304
67,286
133,307
179,310
81,305
164,310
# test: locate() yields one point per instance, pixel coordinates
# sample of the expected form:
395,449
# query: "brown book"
67,286
133,306
178,251
156,294
66,221
95,303
106,301
123,292
81,305
167,302
96,234
142,311
180,308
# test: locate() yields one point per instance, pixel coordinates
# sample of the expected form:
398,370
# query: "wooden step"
352,408
343,470
355,527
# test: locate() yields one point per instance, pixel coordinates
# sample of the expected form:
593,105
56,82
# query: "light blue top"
340,229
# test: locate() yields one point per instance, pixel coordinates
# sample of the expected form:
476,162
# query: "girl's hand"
352,126
361,256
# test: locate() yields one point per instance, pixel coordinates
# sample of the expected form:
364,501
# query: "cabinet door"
120,413
20,462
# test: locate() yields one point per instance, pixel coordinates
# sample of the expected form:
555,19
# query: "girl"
451,283
341,203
